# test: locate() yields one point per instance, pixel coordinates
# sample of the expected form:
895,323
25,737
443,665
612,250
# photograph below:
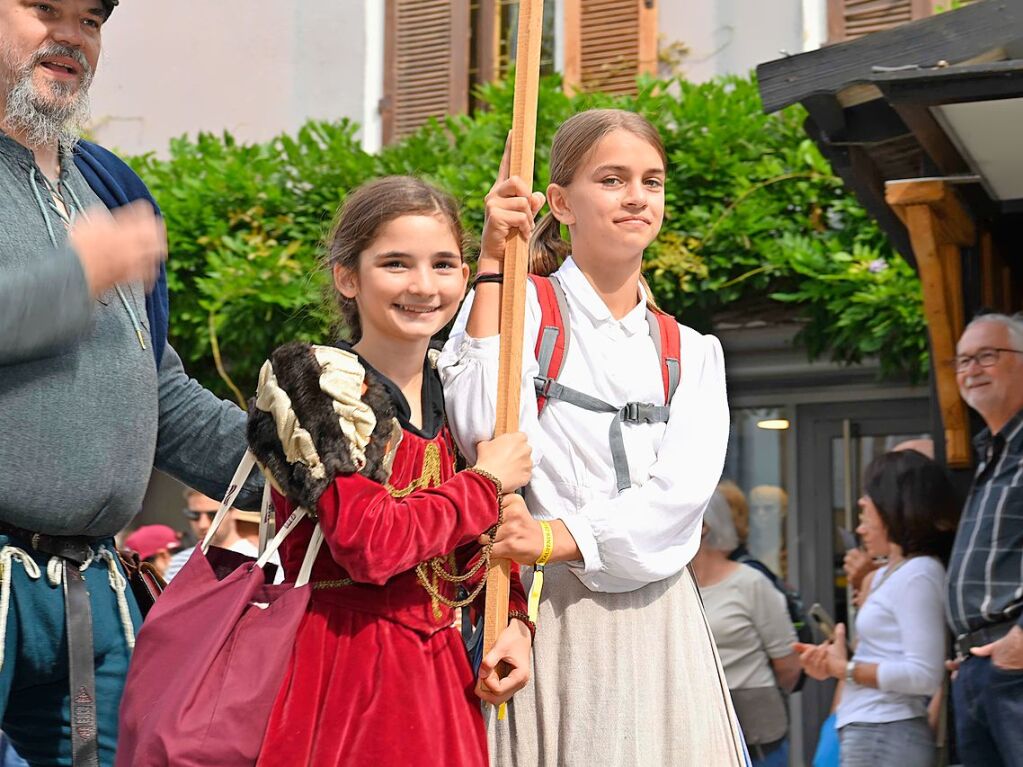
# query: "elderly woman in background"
908,513
754,636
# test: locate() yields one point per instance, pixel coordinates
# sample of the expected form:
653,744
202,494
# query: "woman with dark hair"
908,513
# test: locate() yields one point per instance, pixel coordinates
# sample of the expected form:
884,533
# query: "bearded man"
91,394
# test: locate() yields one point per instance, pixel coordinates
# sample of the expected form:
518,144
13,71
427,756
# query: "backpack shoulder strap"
668,339
552,340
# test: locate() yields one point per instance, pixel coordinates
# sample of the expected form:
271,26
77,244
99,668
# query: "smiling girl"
625,670
379,675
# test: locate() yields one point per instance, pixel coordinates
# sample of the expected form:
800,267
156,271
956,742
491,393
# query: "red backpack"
552,344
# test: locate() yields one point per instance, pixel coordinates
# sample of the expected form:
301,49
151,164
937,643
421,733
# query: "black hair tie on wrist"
484,277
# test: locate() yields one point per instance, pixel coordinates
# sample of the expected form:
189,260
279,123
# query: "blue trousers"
989,714
34,697
777,758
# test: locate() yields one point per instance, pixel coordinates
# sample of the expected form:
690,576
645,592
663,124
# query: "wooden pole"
513,292
938,227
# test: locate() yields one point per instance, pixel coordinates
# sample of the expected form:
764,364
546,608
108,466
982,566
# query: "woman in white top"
625,670
908,514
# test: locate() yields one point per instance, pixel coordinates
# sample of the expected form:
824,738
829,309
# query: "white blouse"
651,530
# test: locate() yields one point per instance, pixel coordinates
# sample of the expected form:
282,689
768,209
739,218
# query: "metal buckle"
542,384
631,411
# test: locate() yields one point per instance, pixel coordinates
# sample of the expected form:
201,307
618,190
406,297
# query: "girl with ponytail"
626,454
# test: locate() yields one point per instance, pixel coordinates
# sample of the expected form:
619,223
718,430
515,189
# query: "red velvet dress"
379,675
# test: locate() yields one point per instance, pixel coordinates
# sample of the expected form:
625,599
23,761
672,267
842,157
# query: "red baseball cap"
150,539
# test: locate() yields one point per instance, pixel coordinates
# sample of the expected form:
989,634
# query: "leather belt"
74,550
982,636
77,548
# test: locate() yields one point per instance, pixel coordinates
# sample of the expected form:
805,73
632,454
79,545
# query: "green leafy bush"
752,210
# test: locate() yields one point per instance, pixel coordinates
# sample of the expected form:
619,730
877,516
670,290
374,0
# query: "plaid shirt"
985,575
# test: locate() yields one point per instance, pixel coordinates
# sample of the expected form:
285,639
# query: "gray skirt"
630,680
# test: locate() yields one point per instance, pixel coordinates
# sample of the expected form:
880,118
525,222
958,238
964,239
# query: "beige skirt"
629,680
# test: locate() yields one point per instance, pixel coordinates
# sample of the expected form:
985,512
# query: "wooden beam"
513,293
461,32
390,71
572,74
956,224
836,21
921,9
931,213
488,41
989,267
647,58
932,138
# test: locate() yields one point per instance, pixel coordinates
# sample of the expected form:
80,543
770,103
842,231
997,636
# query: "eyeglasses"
986,357
193,515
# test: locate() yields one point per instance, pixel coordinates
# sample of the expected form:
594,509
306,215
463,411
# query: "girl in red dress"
355,434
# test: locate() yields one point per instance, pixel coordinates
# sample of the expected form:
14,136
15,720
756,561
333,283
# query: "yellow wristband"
548,543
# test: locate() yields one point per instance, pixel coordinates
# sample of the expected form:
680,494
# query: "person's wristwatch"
849,668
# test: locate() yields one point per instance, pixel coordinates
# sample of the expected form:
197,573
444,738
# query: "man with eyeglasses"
199,511
985,574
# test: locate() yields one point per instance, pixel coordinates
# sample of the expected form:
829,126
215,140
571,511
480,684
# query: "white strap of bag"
264,515
237,481
266,549
310,554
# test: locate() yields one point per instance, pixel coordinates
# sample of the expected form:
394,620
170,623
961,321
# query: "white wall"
733,36
255,68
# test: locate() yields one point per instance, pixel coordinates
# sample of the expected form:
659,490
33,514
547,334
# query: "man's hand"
118,247
513,648
1006,653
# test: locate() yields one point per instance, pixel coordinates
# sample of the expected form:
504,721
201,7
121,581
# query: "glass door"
835,443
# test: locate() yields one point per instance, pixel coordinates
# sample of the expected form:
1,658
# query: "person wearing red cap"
154,544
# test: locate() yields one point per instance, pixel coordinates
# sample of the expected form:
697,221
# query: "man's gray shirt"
84,413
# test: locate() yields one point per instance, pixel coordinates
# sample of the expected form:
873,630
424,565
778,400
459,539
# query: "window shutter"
426,63
849,19
608,43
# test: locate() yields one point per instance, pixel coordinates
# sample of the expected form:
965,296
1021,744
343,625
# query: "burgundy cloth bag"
210,658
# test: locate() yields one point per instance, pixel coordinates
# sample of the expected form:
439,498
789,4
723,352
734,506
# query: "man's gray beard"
53,118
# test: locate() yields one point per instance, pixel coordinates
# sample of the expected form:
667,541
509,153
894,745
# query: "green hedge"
753,212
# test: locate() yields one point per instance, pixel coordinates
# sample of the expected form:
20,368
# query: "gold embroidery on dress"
428,477
444,568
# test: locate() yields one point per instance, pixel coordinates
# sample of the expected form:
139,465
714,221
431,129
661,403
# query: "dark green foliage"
753,210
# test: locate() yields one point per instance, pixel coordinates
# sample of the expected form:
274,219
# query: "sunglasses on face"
194,516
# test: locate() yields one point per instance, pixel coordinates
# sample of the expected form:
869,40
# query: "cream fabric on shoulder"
341,379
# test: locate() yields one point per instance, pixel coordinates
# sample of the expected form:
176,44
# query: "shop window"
756,466
437,51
